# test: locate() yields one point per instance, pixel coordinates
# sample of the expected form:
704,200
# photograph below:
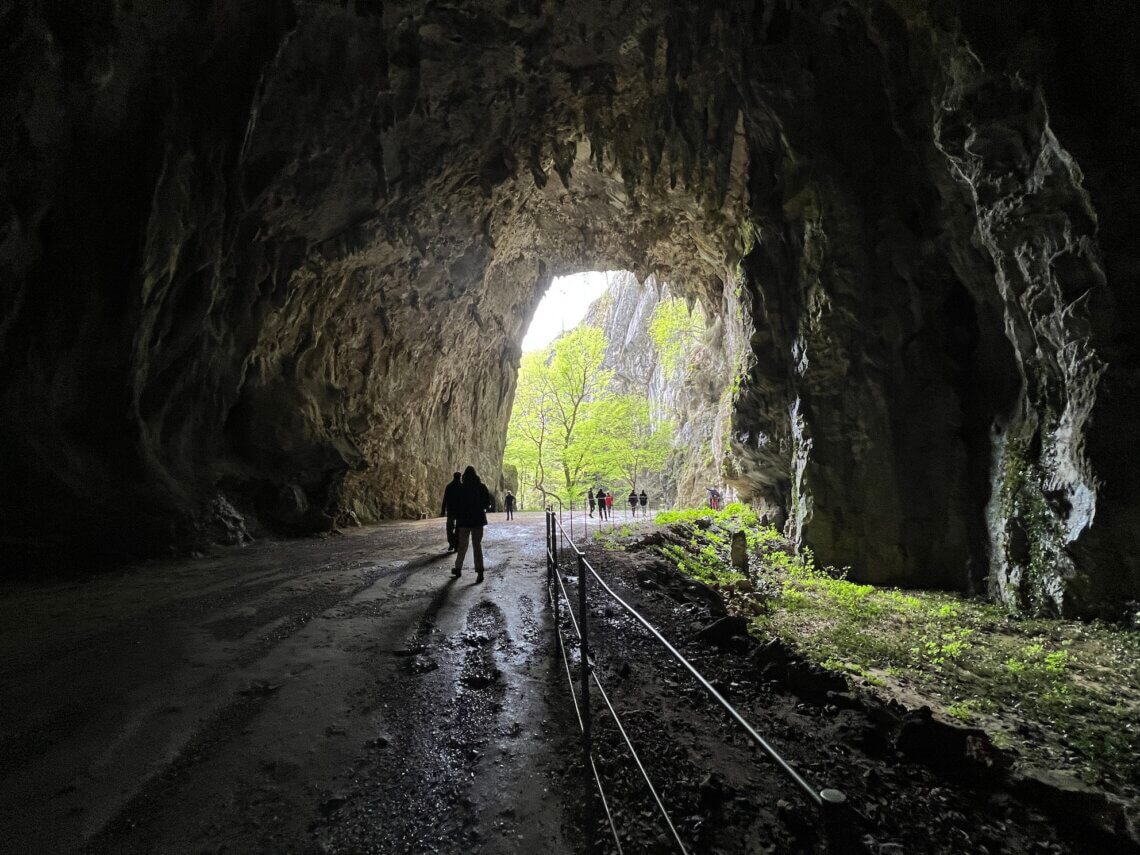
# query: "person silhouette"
632,502
472,502
644,500
509,505
450,496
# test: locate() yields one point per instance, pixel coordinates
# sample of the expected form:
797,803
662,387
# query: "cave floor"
347,695
342,694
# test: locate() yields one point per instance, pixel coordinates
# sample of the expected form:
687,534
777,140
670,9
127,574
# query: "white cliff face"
695,395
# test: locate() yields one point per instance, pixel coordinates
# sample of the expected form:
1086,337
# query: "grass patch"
1066,693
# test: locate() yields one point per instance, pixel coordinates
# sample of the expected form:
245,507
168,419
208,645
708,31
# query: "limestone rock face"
694,395
267,265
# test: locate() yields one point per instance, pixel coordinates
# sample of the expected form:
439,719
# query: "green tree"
569,430
577,383
676,331
530,436
630,444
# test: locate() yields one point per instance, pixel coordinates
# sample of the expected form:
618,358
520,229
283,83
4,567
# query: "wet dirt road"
309,696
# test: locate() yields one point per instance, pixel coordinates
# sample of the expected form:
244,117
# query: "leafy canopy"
570,430
676,332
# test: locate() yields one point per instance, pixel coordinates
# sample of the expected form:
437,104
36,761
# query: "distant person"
602,502
593,502
644,501
632,502
509,505
447,509
472,503
609,504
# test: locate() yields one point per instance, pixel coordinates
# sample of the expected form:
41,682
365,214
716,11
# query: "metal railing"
577,513
830,802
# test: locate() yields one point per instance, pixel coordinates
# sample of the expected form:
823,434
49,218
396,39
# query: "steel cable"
640,766
795,776
582,727
617,719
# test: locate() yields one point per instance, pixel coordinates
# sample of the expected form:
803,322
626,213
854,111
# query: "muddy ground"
347,695
913,784
340,695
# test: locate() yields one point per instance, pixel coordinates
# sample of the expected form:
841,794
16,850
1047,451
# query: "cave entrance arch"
286,268
621,384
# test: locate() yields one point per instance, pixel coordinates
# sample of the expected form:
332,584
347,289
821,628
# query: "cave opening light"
564,306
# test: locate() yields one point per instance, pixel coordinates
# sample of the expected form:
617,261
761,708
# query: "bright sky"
563,307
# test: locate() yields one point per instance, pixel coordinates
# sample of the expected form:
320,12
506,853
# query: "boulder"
726,632
739,551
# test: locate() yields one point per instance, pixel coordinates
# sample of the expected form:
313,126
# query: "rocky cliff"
267,264
695,395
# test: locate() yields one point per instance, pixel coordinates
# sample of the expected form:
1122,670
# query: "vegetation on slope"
1063,693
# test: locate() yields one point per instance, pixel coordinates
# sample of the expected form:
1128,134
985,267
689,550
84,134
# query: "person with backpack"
450,497
644,500
472,502
632,502
592,501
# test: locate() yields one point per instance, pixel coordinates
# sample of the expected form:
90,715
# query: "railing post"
584,629
554,574
549,562
835,815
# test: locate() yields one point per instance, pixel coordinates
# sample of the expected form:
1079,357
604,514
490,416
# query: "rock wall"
694,396
266,264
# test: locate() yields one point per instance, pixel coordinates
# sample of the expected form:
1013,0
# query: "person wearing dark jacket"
632,502
644,500
450,497
470,517
509,505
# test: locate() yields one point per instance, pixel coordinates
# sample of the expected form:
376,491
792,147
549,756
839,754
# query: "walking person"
602,502
644,501
447,509
632,502
470,517
609,504
591,500
509,505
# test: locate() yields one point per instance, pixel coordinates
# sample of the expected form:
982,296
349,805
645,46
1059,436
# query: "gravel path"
343,694
348,695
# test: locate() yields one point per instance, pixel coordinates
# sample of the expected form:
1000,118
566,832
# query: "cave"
266,268
235,242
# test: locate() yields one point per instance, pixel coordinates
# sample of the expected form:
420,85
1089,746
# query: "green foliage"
971,660
676,332
569,430
628,443
612,538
